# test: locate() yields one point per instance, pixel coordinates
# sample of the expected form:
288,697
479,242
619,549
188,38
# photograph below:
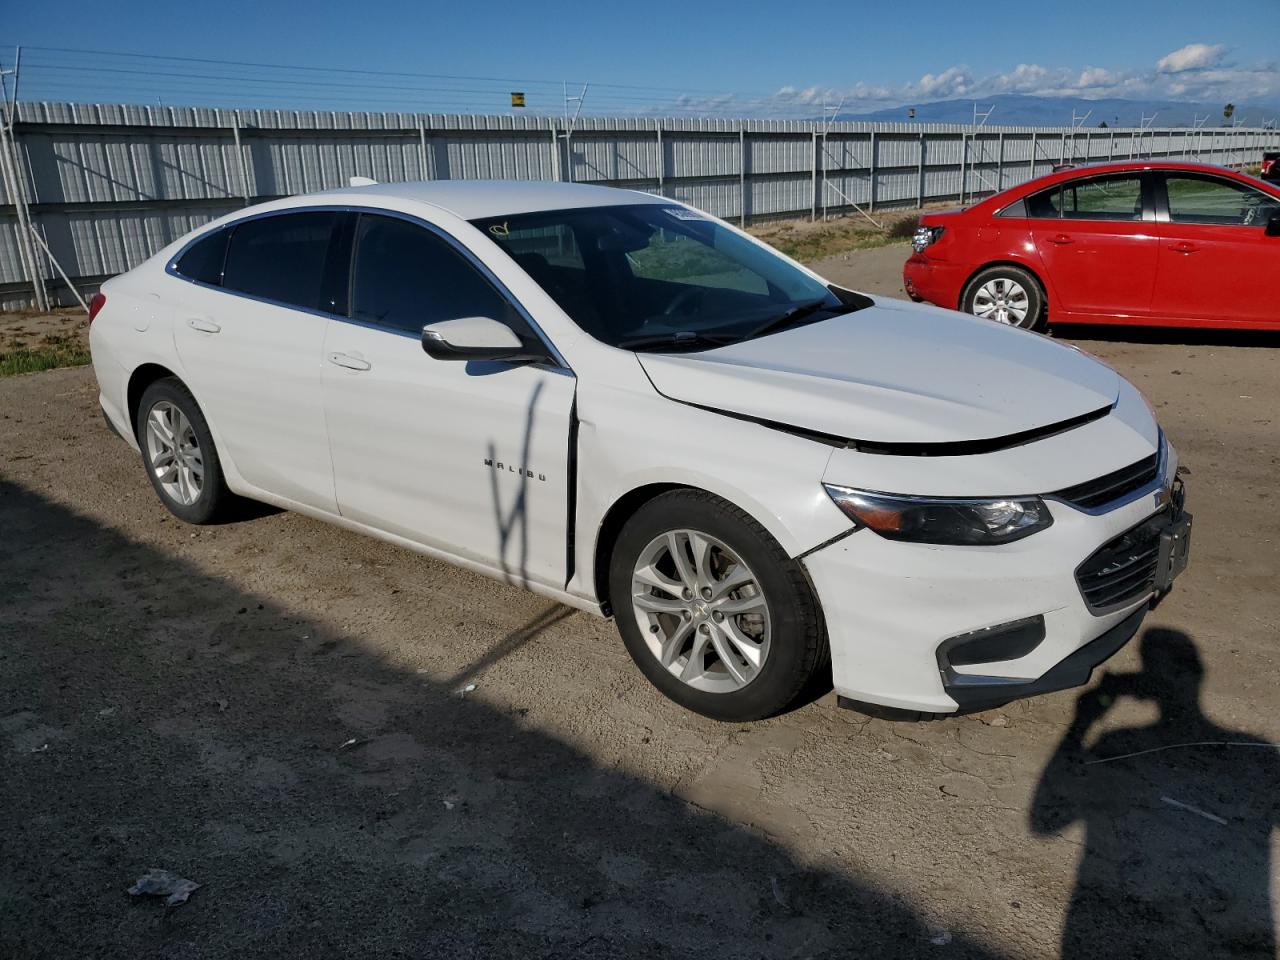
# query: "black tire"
798,644
1035,318
214,498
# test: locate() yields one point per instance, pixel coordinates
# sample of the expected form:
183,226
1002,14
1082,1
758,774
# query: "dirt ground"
282,712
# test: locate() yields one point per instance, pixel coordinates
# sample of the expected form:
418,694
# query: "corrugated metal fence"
109,185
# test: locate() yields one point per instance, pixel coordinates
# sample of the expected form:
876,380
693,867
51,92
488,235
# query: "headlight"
954,522
924,236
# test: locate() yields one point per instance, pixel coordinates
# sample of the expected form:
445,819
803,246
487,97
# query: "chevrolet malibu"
626,405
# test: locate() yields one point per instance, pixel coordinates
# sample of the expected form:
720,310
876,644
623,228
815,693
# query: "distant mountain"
1020,110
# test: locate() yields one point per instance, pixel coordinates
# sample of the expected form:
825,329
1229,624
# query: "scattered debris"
353,742
777,893
1178,746
40,749
162,883
469,688
107,712
1196,810
222,705
939,937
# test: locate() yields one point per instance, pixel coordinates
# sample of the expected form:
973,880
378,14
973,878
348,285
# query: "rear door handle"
349,362
1183,247
203,325
1060,238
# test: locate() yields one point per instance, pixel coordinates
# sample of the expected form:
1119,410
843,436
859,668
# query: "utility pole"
1145,128
1077,121
16,186
980,118
570,123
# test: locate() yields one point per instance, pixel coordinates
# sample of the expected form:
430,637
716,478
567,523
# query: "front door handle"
349,362
203,325
1060,238
1183,247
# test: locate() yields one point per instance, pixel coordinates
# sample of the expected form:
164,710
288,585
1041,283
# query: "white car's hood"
894,373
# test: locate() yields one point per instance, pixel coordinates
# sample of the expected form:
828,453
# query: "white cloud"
1194,56
1197,72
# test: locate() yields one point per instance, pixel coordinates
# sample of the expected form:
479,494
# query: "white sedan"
636,409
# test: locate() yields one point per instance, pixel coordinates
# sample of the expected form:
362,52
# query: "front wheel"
712,609
1006,294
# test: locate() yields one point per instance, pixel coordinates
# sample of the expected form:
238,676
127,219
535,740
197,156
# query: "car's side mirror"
473,338
1273,225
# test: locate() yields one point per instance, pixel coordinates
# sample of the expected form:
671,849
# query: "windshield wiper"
680,338
795,314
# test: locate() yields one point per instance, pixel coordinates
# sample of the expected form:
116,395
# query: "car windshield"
655,277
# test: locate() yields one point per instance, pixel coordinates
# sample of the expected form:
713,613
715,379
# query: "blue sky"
659,53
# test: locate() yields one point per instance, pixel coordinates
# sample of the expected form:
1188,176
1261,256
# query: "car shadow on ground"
1178,817
334,804
1188,336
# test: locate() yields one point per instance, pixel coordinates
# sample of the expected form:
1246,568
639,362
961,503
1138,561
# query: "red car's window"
1096,198
1208,200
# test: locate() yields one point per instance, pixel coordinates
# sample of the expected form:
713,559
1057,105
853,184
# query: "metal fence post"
964,165
871,202
920,174
742,176
422,150
1033,156
662,163
244,173
813,209
1000,162
17,190
555,153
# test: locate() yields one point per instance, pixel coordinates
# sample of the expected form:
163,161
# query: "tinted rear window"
281,258
204,258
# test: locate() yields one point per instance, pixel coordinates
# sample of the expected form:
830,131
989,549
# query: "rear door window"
406,277
283,258
1097,198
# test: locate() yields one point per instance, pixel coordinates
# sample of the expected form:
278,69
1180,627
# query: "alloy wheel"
701,610
1002,300
173,453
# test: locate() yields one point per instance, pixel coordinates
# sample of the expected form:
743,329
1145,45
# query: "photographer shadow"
1178,817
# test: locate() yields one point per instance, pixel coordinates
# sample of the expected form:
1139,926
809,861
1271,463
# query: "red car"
1177,244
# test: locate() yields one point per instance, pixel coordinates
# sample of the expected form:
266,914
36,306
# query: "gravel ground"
282,712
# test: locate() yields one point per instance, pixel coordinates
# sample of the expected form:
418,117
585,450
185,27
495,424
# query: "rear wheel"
178,453
712,609
1006,294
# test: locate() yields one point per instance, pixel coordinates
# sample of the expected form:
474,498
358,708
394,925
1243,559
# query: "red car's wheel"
1006,294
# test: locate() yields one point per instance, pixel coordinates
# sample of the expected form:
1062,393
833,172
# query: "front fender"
628,440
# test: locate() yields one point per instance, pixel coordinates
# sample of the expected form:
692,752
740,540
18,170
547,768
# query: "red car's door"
1217,264
1096,238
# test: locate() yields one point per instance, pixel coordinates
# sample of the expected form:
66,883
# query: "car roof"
477,199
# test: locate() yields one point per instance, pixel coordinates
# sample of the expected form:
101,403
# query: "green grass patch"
61,352
820,246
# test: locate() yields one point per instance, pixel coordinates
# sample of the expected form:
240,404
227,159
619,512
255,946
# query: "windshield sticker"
680,213
500,229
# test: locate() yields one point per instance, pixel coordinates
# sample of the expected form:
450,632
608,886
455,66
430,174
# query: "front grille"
1112,486
1123,569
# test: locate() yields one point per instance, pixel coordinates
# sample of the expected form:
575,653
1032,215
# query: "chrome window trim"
560,365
